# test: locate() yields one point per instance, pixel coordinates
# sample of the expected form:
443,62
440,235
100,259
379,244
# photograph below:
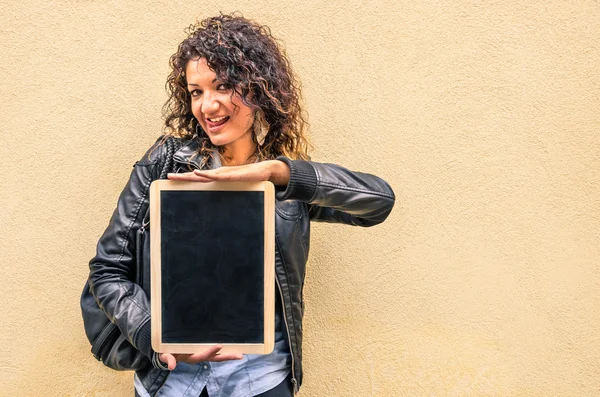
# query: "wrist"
302,181
279,173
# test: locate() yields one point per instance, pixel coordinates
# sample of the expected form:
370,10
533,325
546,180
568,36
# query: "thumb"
169,359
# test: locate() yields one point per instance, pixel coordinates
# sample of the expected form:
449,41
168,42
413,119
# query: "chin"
218,141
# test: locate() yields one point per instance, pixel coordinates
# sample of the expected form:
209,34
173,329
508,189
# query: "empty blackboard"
212,259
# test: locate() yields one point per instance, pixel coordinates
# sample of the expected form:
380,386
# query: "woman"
234,109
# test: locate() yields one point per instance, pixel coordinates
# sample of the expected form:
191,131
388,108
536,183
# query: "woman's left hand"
275,171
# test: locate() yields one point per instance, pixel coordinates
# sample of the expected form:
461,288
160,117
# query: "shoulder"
163,147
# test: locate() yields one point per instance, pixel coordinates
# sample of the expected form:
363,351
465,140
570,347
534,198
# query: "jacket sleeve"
336,194
112,269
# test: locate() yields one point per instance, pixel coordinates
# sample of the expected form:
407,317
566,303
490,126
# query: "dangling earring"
261,127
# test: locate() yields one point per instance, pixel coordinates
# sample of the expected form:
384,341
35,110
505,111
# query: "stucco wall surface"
483,115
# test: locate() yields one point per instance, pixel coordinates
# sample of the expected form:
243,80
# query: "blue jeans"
284,389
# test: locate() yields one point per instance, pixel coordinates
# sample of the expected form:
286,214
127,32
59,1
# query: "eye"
223,87
195,93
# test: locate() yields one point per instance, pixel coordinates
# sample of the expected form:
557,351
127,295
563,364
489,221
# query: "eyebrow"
214,81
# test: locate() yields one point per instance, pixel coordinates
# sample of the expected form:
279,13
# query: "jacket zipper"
106,334
294,381
139,265
182,161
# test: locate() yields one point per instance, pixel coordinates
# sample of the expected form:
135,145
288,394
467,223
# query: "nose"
209,103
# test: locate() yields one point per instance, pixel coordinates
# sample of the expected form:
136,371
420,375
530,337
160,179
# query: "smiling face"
225,118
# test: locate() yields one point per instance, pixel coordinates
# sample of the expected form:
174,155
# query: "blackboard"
212,266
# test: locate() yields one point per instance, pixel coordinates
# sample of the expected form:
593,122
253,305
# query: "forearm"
366,198
114,266
111,273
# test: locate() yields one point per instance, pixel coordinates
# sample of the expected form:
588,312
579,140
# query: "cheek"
246,115
246,120
195,108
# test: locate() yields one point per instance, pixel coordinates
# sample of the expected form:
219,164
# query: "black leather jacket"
316,191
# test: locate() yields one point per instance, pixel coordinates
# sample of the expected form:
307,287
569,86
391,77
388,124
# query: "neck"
240,152
240,159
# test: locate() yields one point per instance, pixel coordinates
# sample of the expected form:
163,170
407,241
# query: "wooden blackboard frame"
269,266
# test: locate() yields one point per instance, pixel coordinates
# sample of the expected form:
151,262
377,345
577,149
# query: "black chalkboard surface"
212,259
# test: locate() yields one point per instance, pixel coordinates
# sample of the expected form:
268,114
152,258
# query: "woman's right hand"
210,354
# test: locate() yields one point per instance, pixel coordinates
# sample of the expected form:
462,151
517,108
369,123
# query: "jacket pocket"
288,209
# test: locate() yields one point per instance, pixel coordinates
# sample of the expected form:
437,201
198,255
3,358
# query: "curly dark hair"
245,56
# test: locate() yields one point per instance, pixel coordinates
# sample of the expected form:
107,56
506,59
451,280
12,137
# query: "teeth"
216,120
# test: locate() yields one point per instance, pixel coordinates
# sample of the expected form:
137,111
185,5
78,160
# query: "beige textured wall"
483,115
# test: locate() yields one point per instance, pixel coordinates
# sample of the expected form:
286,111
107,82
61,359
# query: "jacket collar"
189,156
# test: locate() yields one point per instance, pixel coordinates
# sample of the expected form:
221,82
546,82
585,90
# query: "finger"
163,357
206,355
230,175
217,174
187,177
227,357
212,354
180,176
217,357
168,359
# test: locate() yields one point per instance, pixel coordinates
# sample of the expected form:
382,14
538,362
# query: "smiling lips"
215,122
